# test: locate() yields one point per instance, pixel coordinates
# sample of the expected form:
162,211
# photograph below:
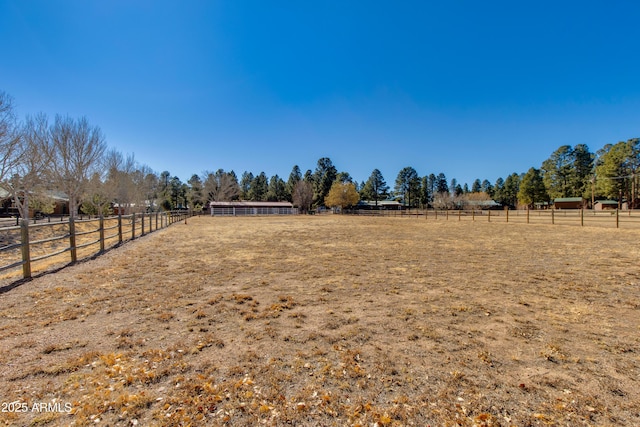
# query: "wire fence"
29,247
576,217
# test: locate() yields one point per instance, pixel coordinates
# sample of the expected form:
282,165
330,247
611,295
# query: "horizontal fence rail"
25,244
579,217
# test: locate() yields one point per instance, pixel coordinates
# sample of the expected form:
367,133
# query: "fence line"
578,217
80,234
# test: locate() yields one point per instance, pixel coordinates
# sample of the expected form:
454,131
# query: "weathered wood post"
101,222
26,254
489,215
582,217
506,211
119,227
72,239
617,218
458,214
142,225
527,214
473,215
552,216
447,214
133,226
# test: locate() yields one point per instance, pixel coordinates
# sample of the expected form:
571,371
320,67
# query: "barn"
569,203
243,208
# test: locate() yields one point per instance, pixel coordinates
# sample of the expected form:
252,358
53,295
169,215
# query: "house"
569,203
382,204
606,205
58,199
242,208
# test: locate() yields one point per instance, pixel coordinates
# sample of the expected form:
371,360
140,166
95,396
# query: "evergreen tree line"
39,159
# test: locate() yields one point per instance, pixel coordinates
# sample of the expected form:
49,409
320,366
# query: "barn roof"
250,204
568,200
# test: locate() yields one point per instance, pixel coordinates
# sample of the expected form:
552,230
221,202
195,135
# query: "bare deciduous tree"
302,195
9,136
78,149
28,181
220,186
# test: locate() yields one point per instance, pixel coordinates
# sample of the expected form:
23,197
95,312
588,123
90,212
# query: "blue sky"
468,88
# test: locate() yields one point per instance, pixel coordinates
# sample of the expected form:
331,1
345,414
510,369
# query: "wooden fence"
578,217
26,244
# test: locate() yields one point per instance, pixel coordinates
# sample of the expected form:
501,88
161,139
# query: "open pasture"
333,320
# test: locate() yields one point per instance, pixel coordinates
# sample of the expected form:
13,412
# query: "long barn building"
251,208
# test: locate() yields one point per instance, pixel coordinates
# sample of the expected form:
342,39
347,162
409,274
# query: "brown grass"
333,320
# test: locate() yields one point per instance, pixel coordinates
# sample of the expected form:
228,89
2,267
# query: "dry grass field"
332,321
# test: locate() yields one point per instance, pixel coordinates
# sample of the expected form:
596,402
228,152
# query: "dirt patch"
333,320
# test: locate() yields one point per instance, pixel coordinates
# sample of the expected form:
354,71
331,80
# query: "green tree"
323,178
441,183
532,188
408,185
510,190
195,195
245,185
342,195
476,187
375,188
259,188
617,171
277,189
294,177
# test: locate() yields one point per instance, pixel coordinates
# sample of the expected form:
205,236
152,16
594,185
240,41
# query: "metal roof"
568,199
249,204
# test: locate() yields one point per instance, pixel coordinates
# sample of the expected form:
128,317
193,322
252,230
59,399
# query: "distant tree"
308,176
498,191
195,195
294,177
583,163
617,171
78,148
9,136
465,188
245,185
408,185
441,184
375,188
220,186
259,187
558,173
342,195
425,195
510,190
344,177
323,177
277,189
98,199
303,196
532,188
568,171
28,169
476,187
487,188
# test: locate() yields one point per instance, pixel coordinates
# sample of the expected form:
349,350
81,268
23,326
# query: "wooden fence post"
26,254
553,216
101,222
489,215
458,214
473,215
119,227
617,218
133,226
72,239
527,214
582,217
447,214
142,224
506,211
